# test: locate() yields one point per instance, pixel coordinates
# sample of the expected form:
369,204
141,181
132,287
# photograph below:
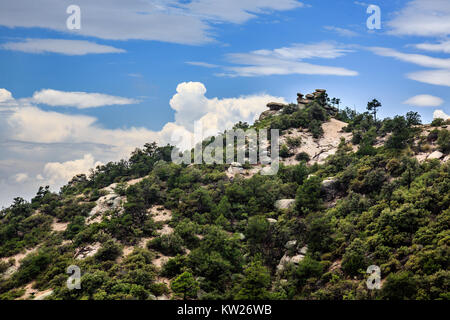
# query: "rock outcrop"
275,106
285,203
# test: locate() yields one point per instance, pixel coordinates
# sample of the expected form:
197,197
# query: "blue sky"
139,70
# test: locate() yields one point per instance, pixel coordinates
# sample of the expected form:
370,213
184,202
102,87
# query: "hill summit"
353,193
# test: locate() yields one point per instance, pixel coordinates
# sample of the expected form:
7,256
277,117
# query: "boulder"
285,203
329,188
275,106
435,155
266,114
304,250
286,260
271,220
235,168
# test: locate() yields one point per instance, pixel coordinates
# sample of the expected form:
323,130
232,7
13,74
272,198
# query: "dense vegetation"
388,210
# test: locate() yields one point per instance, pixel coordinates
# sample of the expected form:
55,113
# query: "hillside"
351,192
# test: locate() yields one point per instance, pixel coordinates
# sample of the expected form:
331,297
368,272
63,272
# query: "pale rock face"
44,295
435,155
285,203
318,149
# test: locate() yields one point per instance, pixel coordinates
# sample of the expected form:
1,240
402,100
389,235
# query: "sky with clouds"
147,70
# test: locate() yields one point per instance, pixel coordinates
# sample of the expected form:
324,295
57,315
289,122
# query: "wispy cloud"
440,76
443,46
175,21
60,46
288,60
202,64
80,100
341,31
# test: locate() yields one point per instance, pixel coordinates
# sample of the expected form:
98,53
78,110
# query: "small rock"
296,259
241,236
290,244
284,203
304,250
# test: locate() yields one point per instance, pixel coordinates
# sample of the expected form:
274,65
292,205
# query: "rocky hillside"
351,192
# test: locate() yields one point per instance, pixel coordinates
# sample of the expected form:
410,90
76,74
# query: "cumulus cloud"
5,95
191,104
440,114
288,60
81,100
21,177
422,18
60,46
52,147
60,173
175,21
424,100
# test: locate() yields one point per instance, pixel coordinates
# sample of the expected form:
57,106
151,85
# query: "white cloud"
423,18
440,76
238,11
443,46
202,64
5,95
81,100
60,173
216,114
163,20
419,59
52,147
436,77
341,31
67,47
288,60
21,177
440,114
424,100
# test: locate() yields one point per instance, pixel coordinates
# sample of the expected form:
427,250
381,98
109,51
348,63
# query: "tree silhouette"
372,106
